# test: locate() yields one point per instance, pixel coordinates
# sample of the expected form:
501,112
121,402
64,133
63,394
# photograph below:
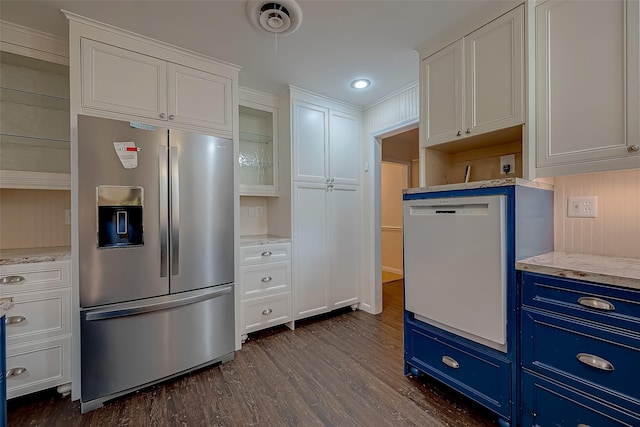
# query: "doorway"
398,170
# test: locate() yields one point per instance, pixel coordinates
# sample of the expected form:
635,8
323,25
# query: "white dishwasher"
455,256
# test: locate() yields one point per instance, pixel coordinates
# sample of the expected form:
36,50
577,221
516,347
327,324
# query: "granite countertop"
479,184
623,272
30,255
262,239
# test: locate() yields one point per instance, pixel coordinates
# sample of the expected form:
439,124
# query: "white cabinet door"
310,139
344,238
344,148
123,81
586,85
310,262
199,99
442,95
494,75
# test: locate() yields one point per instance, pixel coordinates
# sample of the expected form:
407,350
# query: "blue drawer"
619,307
547,403
479,375
551,345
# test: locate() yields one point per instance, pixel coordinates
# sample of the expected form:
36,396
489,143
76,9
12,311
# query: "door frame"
375,233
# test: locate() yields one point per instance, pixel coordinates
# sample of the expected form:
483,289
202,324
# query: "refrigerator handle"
163,209
175,213
149,308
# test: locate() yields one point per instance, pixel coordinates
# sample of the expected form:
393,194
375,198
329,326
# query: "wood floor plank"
342,369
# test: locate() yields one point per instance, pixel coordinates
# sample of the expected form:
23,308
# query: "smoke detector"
281,17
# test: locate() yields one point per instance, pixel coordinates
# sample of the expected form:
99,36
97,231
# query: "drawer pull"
597,303
266,253
267,311
267,279
11,280
595,361
15,372
450,362
14,320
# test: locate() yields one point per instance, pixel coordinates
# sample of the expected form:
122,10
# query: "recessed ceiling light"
360,84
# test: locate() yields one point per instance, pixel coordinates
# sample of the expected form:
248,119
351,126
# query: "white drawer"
263,280
264,254
46,363
34,277
266,312
39,315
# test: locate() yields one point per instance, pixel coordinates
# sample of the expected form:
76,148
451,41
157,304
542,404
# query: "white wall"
616,229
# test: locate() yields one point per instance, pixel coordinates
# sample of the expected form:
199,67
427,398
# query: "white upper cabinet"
310,139
126,82
326,145
476,84
344,148
587,91
258,148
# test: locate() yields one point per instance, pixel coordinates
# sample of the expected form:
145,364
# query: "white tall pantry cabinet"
325,141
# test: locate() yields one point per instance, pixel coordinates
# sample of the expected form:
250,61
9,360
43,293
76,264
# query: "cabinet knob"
267,311
15,372
14,320
468,131
450,362
266,279
597,303
459,133
171,117
266,253
633,148
595,361
11,280
163,115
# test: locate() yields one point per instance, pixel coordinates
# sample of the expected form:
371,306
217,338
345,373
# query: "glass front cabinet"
258,153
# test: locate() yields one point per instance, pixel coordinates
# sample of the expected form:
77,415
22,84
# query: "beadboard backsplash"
34,218
616,229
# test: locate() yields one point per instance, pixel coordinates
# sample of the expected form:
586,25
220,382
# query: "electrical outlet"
582,207
67,217
507,164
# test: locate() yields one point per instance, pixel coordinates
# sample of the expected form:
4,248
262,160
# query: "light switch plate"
582,207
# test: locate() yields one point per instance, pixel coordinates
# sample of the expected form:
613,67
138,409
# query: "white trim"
316,98
36,44
34,180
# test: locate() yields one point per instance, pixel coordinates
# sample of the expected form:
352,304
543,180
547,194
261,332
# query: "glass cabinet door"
257,160
34,115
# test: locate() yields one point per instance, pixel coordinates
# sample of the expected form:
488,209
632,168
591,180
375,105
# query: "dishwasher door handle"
148,308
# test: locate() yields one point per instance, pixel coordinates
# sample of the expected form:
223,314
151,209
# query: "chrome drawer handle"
266,279
459,133
450,362
267,311
595,361
15,372
633,148
11,280
266,253
162,115
171,117
14,320
597,303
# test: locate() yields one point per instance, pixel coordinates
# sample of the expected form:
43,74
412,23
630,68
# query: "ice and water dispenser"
120,210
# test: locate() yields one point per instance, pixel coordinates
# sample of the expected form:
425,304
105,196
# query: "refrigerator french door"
155,236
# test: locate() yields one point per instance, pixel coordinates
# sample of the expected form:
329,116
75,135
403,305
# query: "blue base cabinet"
580,353
3,369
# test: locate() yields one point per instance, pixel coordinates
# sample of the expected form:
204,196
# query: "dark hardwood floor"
343,369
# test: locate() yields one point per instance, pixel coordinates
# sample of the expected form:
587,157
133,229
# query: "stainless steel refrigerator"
156,254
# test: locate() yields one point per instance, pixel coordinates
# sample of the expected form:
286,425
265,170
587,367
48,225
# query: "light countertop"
31,255
479,184
623,272
262,239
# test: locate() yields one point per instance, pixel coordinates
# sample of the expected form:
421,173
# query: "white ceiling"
337,41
